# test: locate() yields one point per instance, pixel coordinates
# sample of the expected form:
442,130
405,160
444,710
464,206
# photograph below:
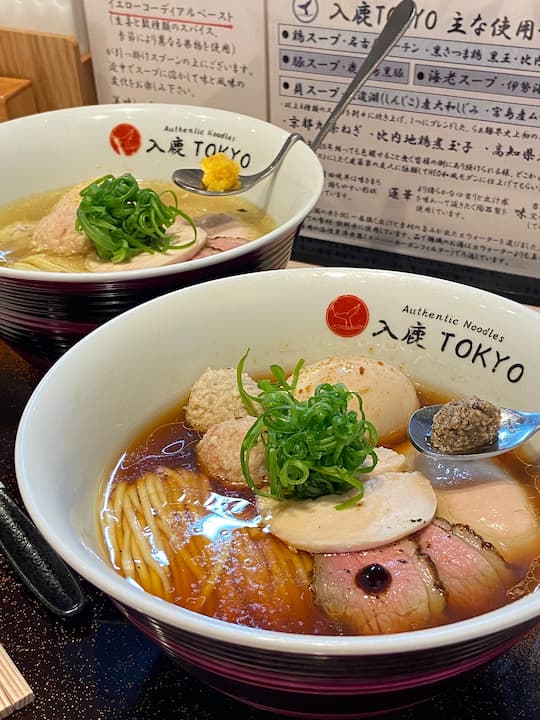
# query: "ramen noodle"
422,547
40,233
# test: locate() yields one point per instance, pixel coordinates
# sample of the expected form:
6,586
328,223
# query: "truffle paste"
464,425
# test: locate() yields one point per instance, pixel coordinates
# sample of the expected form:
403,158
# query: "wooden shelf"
16,98
59,76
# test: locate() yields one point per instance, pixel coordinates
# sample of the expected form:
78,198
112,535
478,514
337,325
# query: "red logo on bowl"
125,139
347,315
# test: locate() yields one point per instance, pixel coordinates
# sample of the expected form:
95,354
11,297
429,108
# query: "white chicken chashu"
395,504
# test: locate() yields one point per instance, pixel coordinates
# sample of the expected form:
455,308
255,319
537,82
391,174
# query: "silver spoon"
191,178
515,428
400,19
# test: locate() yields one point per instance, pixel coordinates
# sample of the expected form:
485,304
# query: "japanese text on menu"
202,53
439,155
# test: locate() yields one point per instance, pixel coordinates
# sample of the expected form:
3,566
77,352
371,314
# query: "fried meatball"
214,398
219,453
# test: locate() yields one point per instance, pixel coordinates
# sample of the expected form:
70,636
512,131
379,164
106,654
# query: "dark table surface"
99,667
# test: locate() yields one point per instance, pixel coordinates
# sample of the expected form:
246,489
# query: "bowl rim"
522,612
46,276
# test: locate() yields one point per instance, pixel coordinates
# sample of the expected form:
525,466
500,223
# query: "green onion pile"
312,447
122,219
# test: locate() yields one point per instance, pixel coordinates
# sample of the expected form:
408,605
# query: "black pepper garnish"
373,579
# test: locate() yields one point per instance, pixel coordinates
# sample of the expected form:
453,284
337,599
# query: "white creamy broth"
241,222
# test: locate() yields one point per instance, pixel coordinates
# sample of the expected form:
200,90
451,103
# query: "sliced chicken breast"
181,236
395,504
483,495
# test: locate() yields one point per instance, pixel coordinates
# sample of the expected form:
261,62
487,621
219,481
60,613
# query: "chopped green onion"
122,219
312,447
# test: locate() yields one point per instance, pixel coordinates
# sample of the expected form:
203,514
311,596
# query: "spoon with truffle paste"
470,429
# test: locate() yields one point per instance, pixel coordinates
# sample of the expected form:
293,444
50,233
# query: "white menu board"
439,155
208,53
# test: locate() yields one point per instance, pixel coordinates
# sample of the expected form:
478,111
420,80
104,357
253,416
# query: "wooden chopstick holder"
6,708
15,692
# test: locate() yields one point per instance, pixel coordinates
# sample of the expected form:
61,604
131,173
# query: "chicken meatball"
214,398
55,233
219,453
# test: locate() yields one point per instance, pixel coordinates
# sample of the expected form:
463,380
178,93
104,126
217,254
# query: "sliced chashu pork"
219,245
471,570
483,495
223,225
224,232
413,599
442,568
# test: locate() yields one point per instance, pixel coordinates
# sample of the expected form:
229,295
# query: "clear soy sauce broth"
170,530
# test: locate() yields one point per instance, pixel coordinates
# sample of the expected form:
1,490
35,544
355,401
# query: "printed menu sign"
437,157
203,53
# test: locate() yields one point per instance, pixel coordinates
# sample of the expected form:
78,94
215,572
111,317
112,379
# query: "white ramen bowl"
44,313
102,392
